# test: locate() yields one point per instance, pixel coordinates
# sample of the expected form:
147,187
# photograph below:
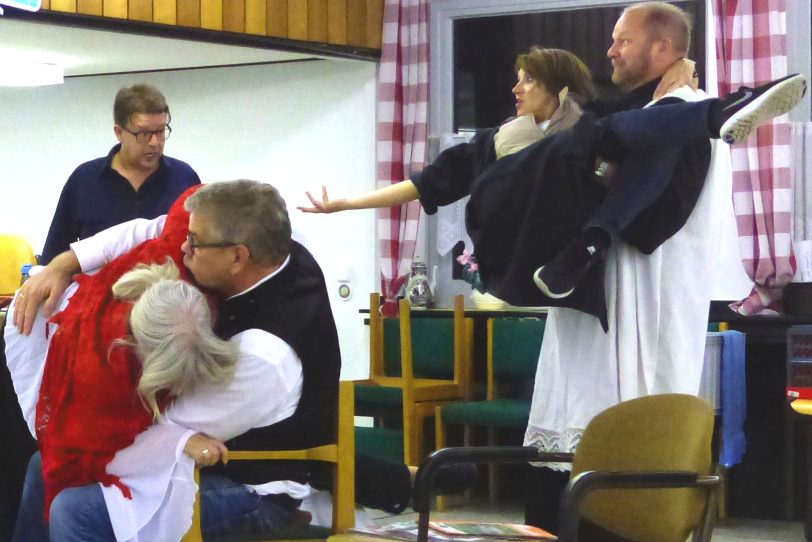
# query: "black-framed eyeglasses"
193,246
146,135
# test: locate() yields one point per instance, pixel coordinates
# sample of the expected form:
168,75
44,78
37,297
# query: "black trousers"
16,448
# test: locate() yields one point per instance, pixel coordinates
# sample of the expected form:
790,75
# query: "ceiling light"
24,74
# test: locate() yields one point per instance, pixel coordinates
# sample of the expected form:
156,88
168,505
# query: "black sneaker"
739,113
559,278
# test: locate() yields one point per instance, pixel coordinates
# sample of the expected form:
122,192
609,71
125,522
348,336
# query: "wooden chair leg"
467,439
492,489
441,502
194,534
409,430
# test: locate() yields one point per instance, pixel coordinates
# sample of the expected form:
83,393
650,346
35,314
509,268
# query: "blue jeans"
79,514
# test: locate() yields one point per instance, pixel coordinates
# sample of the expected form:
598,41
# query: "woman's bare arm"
389,196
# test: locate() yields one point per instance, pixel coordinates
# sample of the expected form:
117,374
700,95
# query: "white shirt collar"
264,279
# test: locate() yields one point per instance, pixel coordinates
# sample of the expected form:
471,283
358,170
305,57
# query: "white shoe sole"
776,101
541,285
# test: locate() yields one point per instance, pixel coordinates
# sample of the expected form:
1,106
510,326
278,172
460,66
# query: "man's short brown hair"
664,20
141,98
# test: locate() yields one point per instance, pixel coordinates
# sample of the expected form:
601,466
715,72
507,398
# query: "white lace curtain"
801,146
801,149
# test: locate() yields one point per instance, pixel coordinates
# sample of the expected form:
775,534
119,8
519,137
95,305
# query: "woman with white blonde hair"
171,325
195,384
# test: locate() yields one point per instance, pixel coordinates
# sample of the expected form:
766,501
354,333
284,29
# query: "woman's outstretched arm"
389,196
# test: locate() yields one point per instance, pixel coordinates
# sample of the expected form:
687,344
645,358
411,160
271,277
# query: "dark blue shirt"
96,197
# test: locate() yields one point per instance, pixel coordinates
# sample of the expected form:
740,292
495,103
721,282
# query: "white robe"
657,311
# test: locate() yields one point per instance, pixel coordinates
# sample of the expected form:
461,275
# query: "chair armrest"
328,452
584,483
424,480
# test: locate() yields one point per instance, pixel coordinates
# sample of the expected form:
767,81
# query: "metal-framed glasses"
146,135
193,245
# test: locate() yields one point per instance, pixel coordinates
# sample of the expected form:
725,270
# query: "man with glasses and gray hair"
274,303
134,180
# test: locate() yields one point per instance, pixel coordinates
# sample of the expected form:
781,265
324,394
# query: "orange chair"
14,252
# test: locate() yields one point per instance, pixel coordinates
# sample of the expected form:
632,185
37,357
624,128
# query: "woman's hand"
681,73
206,450
325,205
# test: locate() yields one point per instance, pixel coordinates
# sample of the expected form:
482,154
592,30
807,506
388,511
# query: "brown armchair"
641,471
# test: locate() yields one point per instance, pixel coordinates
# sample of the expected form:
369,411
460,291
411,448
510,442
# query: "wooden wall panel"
256,17
64,5
356,22
317,20
211,14
337,22
116,8
374,23
297,19
276,15
89,7
234,16
166,12
140,10
188,13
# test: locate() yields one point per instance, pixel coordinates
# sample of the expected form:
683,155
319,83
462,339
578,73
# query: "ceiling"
84,51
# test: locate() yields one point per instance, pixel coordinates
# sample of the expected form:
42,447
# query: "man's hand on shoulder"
44,290
681,73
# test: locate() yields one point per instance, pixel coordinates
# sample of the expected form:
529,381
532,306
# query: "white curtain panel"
801,146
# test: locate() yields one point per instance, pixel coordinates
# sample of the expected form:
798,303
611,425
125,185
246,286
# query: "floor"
726,530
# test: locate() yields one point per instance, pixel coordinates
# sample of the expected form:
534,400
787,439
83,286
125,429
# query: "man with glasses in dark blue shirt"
135,180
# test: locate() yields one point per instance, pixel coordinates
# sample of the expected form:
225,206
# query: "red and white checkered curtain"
402,125
751,44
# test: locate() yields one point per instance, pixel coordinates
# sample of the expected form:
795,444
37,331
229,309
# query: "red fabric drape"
88,407
751,49
402,109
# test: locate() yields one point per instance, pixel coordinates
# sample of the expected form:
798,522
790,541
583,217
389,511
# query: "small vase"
486,301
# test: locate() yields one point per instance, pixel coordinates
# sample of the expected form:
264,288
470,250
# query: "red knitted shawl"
88,407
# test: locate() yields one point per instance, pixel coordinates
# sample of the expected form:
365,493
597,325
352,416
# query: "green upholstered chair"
416,364
513,352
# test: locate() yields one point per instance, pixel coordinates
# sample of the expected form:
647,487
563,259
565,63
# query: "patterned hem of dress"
553,441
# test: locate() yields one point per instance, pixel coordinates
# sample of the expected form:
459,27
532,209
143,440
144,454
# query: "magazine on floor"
511,531
457,531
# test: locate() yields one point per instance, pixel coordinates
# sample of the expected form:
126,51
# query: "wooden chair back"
340,454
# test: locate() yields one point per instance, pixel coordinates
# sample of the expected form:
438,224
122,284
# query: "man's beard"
630,77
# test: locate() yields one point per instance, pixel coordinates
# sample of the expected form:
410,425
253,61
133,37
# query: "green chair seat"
372,394
499,413
380,442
